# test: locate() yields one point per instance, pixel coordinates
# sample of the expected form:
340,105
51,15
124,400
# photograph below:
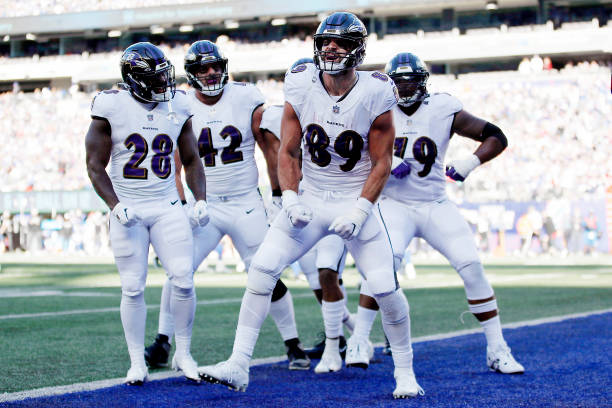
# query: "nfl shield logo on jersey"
150,117
336,109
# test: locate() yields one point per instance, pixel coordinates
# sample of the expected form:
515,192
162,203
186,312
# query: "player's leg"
172,238
448,232
205,239
131,250
248,229
397,220
282,245
331,252
373,256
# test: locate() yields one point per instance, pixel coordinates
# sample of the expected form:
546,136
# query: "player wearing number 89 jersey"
343,121
414,202
139,129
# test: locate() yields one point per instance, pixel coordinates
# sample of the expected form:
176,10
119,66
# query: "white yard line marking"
116,309
11,293
91,386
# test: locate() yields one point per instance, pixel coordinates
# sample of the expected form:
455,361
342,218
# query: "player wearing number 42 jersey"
226,122
414,202
343,119
138,129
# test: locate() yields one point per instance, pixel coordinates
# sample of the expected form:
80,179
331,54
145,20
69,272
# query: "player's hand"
299,214
349,225
125,215
198,214
276,205
458,170
400,168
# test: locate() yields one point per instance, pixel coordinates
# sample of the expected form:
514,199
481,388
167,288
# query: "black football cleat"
298,360
156,355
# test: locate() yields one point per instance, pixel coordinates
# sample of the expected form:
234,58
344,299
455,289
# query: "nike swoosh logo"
250,211
174,202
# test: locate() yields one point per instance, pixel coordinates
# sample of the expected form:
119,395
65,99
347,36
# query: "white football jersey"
423,138
335,155
142,154
225,139
271,119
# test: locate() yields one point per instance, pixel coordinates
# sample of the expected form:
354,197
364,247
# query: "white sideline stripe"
91,386
116,309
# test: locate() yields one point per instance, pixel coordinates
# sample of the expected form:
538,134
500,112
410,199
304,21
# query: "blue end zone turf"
567,364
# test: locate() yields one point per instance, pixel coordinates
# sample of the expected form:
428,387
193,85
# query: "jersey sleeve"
254,97
447,104
104,104
181,106
271,120
297,84
385,94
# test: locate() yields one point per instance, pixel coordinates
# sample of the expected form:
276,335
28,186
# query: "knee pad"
180,273
476,284
382,282
279,290
483,307
132,292
393,307
132,286
260,281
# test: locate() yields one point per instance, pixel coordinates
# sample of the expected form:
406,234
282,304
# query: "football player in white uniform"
414,202
346,120
324,263
226,120
138,130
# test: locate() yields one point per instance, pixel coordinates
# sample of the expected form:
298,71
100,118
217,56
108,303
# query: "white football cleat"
330,360
137,375
501,360
226,373
186,364
406,385
359,352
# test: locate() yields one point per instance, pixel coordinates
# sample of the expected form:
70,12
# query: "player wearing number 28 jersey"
138,129
343,120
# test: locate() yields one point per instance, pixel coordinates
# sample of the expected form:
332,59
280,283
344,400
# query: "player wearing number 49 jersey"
226,117
414,202
344,122
138,129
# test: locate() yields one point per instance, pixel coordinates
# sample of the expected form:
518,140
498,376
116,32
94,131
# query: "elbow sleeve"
490,130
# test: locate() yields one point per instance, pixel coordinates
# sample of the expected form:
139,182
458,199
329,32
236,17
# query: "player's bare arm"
289,172
177,176
493,141
381,137
194,171
268,143
98,146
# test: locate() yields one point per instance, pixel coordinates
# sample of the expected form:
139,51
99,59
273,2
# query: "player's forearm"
489,149
196,180
376,180
103,185
272,166
289,172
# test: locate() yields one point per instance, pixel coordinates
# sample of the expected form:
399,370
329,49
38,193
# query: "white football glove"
349,225
458,170
276,205
125,215
198,214
299,214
